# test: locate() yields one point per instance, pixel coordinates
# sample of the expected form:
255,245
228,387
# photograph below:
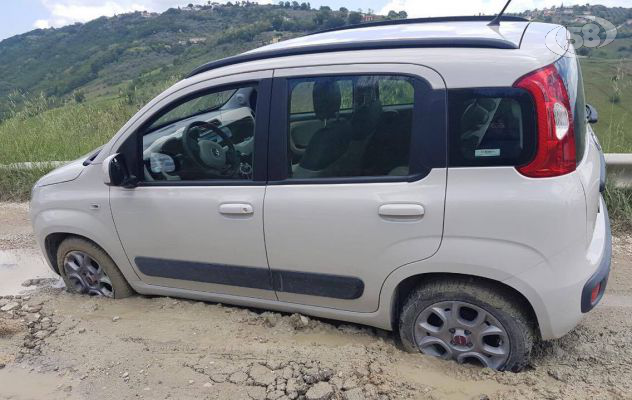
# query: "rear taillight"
555,154
594,294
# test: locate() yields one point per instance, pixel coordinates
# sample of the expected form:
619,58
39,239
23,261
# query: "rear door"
364,194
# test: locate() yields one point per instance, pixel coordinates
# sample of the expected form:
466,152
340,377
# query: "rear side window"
350,126
571,74
491,126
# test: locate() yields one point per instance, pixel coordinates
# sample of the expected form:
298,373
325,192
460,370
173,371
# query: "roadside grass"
16,184
608,87
619,203
61,134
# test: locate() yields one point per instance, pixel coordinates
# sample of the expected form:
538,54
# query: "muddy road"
55,345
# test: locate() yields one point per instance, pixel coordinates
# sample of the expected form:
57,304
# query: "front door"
357,180
196,219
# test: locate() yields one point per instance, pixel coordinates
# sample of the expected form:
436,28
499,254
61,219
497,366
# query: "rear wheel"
87,269
467,321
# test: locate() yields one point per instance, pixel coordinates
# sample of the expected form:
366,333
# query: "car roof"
468,32
428,28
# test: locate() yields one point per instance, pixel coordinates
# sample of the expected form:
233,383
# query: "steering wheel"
207,154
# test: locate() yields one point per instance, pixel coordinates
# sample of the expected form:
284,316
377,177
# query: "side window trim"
134,142
422,157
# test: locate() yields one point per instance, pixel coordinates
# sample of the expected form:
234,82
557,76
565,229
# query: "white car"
435,177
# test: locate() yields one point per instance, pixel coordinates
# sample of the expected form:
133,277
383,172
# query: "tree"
392,15
322,15
277,23
344,11
334,22
403,14
80,97
354,18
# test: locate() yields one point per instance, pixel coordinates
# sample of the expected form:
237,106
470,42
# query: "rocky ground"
55,345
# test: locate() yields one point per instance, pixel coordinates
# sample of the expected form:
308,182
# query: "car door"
195,220
366,193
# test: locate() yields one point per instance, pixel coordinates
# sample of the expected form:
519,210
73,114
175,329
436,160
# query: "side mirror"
116,173
592,116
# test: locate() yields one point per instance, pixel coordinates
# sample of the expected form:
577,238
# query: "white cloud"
64,12
41,24
428,8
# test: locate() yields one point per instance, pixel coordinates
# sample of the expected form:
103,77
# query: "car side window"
208,136
349,126
493,126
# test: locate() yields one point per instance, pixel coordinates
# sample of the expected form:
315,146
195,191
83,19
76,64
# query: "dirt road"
54,345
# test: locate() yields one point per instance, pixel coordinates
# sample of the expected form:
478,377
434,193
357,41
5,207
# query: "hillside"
131,57
95,57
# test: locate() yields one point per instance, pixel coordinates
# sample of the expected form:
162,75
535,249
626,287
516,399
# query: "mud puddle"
21,384
18,265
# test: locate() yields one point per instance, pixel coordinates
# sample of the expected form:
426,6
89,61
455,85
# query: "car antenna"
496,20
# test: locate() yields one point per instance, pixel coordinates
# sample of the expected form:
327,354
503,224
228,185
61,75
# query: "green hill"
124,60
95,58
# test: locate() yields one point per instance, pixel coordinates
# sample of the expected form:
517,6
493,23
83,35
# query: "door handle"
236,209
401,210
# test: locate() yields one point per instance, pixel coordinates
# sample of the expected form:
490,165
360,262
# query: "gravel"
66,345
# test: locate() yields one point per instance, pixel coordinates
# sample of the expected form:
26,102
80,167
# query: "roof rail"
465,42
389,22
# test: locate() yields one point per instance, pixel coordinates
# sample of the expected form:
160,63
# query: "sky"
19,16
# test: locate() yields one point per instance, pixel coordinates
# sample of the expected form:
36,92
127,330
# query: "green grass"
605,80
63,133
16,184
619,203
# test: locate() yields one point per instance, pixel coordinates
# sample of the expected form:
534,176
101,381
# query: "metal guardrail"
619,167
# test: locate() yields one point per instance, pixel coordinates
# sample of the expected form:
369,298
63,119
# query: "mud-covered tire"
119,285
497,301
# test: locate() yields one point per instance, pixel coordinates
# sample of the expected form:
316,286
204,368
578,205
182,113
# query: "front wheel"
87,269
467,321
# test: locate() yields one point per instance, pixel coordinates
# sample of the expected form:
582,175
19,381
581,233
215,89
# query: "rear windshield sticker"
487,153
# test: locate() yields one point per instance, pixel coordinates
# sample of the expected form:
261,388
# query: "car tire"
502,341
98,275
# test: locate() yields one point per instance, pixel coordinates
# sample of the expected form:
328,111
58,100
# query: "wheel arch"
406,285
55,224
52,242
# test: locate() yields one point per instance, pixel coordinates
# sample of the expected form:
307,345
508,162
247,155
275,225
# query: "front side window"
208,136
349,126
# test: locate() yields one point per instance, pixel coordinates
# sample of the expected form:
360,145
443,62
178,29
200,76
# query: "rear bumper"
560,289
600,277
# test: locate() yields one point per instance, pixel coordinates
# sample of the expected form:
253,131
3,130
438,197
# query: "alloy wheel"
463,332
86,275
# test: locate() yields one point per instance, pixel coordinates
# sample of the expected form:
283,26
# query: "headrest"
327,98
474,116
367,108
